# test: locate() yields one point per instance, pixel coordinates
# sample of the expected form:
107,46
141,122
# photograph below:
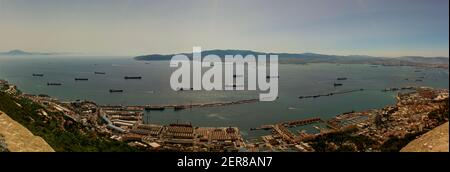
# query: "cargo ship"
115,91
38,74
180,107
100,73
81,79
53,83
150,108
133,77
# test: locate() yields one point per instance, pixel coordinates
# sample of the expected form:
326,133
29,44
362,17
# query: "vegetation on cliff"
60,132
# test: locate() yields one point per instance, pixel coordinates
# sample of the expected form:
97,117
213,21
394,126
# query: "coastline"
125,125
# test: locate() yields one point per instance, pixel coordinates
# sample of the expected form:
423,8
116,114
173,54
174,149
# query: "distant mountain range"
23,53
303,58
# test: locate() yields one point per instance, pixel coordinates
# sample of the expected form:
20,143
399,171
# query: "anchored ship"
81,79
115,91
150,108
38,74
53,83
180,107
133,77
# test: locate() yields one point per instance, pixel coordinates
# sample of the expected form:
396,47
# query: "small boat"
100,73
115,91
133,77
53,83
337,84
38,74
81,79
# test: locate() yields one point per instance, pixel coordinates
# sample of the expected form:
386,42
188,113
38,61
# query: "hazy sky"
135,27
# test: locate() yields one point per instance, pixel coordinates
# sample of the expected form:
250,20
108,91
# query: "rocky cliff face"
435,140
16,138
3,146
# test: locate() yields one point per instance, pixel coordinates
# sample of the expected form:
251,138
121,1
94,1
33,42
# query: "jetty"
330,94
178,107
399,88
292,123
302,122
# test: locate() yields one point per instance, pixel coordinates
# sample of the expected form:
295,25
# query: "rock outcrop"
17,138
435,140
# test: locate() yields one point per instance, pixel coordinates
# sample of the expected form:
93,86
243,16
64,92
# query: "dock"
302,122
330,94
178,107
